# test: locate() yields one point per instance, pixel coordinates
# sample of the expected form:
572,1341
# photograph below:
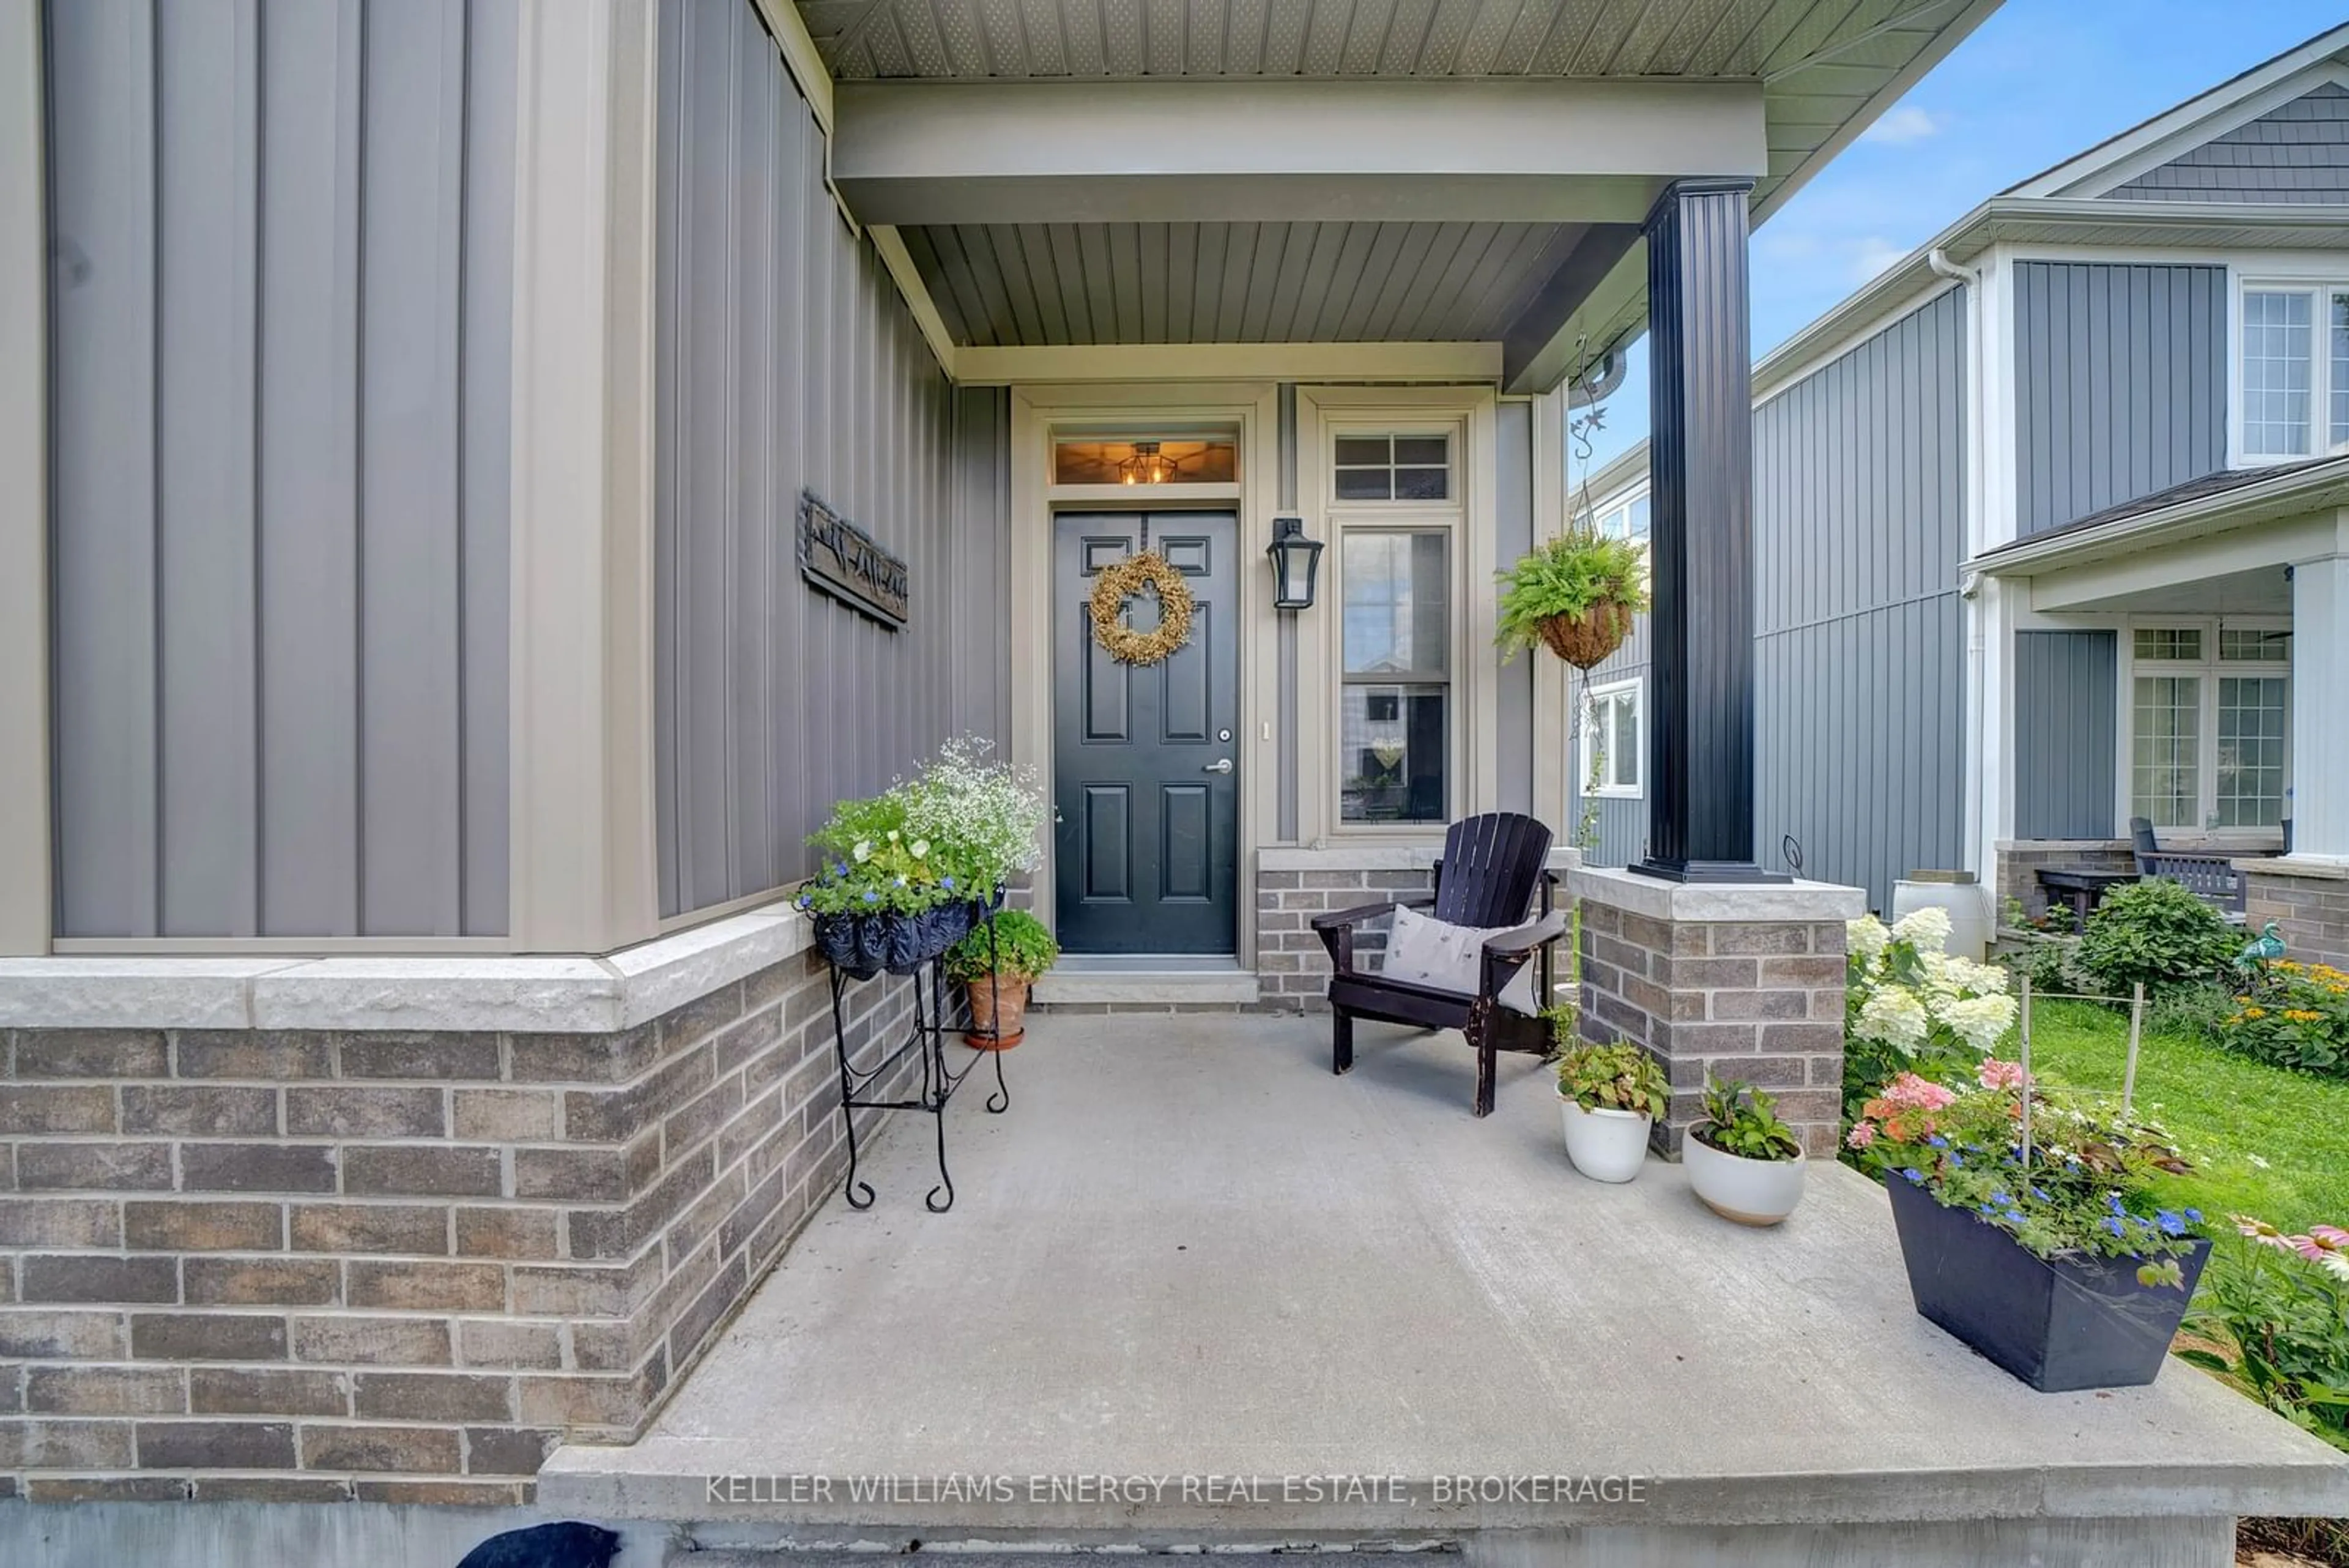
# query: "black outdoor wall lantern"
1295,560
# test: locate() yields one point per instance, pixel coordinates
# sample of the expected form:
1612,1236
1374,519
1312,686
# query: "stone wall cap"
2036,846
2316,867
1378,857
1723,902
454,994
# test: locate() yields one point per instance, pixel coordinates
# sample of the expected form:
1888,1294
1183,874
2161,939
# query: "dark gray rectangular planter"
2058,1324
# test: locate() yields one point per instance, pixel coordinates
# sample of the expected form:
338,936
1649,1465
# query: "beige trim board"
585,877
25,891
1155,362
801,57
917,295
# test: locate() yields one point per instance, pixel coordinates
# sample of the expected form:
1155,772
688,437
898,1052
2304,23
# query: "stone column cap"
1724,902
2320,868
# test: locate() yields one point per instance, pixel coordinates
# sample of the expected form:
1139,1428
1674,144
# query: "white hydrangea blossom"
1979,1021
1866,938
1895,1015
1925,929
1901,1005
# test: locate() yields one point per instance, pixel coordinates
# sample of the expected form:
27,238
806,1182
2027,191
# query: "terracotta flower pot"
997,1003
1586,640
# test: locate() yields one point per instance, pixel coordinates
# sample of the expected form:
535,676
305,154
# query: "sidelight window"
1394,705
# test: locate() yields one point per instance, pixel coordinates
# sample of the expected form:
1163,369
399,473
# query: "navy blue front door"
1145,758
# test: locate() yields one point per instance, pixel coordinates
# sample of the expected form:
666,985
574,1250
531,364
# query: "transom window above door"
1143,460
2295,370
1394,467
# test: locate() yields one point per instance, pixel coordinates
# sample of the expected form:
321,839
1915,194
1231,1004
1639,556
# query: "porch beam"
1288,151
1701,492
1538,352
1435,362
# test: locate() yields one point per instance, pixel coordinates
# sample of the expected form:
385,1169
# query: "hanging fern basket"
1583,640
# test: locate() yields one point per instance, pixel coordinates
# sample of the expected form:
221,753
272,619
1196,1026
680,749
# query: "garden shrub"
2192,1012
2159,932
2293,1015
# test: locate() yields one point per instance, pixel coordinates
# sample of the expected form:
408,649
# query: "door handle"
1220,765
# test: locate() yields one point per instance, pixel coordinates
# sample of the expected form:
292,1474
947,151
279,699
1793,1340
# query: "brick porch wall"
2308,904
2019,862
396,1267
1292,968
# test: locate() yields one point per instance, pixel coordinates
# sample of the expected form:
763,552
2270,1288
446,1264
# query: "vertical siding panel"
2067,732
786,735
669,335
756,525
309,470
1858,504
207,113
101,74
2120,391
411,182
492,50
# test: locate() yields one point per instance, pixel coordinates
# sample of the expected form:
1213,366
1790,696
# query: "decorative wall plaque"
839,558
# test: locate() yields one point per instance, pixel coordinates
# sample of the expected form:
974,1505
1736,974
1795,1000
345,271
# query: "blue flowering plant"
2093,1182
957,832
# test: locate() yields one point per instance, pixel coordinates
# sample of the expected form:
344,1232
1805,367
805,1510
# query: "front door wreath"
1116,585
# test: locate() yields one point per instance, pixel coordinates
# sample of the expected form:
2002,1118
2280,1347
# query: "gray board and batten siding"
788,362
281,279
2297,151
2066,721
2120,384
1860,657
1859,679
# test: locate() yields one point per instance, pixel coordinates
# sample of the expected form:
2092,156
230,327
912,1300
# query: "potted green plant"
1611,1095
994,964
2030,1226
1742,1161
906,872
1576,594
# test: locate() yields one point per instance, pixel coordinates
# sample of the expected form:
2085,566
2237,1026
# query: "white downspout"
1971,848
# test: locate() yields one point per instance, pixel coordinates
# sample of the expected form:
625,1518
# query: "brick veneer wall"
397,1267
2309,908
2019,862
1759,1001
1292,968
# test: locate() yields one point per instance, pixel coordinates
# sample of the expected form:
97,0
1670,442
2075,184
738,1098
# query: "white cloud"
1905,124
1873,255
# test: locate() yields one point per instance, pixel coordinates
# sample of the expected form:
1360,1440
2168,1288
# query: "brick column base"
2308,899
1743,982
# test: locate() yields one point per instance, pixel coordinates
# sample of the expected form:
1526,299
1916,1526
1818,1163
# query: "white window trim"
1467,518
2208,668
2322,280
1637,689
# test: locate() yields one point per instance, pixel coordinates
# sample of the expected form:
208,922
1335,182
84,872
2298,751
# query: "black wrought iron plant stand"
927,1039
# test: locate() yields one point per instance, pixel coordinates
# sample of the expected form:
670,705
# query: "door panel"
1148,841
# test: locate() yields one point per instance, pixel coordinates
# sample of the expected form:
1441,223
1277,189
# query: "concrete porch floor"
1187,1251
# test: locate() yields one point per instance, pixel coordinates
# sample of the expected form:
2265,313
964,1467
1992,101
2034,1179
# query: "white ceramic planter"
1750,1192
1605,1146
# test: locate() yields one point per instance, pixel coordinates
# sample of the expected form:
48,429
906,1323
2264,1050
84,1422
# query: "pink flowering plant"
2088,1186
2274,1311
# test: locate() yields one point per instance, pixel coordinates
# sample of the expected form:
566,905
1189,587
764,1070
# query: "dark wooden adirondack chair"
1491,868
2210,877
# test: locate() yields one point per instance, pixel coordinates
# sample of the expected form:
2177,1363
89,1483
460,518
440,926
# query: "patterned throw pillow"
1428,951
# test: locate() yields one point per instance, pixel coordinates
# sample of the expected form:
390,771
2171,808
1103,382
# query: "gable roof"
2150,143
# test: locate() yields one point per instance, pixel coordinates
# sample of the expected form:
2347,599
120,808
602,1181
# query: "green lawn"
2230,1112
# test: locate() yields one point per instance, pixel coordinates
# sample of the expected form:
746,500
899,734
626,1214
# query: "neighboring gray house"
2045,524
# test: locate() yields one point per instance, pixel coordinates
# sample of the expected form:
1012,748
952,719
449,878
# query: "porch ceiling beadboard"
1824,66
1001,283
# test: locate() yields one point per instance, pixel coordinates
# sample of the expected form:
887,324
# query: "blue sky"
2039,82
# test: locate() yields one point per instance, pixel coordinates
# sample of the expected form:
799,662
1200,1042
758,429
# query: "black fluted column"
1700,479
